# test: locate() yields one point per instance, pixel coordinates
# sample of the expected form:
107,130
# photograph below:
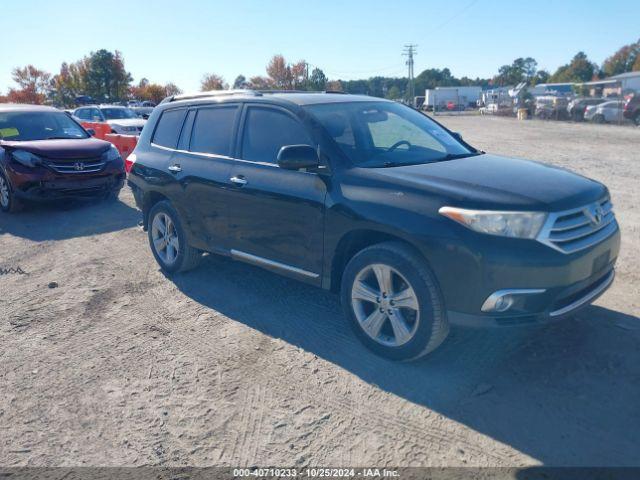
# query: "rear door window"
213,129
169,127
267,130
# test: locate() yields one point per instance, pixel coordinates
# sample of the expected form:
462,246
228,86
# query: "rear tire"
168,240
399,315
599,118
8,201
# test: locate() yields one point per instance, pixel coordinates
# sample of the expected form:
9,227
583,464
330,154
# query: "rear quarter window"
168,128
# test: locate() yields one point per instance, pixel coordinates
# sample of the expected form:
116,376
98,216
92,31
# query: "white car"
605,112
122,120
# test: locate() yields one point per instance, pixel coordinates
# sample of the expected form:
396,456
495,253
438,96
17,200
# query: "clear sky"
180,40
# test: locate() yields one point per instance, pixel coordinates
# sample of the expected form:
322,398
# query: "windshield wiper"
455,156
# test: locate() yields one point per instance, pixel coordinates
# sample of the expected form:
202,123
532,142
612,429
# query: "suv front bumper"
40,184
548,285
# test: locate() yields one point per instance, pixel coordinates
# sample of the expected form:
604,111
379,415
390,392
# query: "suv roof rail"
227,93
274,91
211,93
300,91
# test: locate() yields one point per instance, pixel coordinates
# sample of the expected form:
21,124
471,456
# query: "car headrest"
336,124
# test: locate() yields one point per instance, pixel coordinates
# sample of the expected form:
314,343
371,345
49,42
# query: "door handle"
175,168
239,181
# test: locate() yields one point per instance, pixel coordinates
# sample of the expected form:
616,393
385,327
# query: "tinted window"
83,114
118,113
168,129
185,136
268,130
212,130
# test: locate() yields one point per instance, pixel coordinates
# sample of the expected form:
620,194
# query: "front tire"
8,201
168,240
393,302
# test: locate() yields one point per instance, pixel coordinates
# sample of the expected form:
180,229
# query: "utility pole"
409,51
306,75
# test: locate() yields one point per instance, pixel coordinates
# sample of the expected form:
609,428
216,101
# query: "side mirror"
457,136
91,131
297,157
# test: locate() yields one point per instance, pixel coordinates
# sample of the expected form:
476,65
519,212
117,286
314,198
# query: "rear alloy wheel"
393,301
8,201
168,240
599,118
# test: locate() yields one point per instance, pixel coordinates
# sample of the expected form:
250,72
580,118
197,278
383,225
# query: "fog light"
503,300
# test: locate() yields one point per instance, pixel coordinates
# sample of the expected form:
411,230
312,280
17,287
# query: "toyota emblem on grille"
595,214
78,166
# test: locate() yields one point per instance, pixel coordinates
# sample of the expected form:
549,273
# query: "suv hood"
128,122
494,182
61,149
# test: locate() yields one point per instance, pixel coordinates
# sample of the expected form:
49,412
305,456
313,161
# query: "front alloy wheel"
8,200
393,301
4,193
385,305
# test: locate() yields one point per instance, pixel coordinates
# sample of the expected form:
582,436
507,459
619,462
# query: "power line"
409,51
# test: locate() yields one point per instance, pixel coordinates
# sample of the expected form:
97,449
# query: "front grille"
579,228
76,166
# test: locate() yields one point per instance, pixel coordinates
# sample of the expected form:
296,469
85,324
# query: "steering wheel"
397,144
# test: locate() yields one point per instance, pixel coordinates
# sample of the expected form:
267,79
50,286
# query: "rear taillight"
128,163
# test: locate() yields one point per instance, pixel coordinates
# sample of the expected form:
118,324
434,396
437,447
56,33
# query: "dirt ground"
232,365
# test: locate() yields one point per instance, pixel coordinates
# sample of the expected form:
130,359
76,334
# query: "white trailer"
459,96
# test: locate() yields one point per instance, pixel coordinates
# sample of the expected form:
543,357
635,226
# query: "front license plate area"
600,262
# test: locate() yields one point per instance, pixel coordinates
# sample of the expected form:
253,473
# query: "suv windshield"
24,126
384,134
118,113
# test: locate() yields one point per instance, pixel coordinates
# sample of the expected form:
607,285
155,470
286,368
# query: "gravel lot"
232,365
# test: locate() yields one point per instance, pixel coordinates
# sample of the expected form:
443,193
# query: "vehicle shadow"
62,220
565,394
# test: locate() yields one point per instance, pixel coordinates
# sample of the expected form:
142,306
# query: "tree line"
102,76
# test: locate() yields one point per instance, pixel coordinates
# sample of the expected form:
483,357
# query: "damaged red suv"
46,155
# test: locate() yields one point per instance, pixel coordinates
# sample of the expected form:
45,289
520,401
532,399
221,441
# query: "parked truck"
449,98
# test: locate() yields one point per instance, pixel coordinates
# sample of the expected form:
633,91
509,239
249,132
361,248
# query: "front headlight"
111,154
505,224
25,158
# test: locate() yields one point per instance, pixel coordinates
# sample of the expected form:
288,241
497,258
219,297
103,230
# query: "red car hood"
61,149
